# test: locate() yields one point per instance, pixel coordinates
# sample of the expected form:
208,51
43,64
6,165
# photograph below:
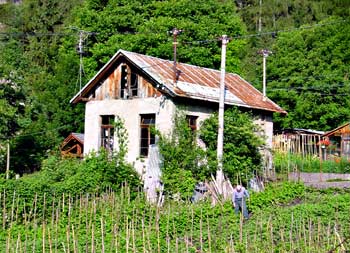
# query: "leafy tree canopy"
144,26
309,76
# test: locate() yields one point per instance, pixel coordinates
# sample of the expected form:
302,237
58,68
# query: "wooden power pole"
8,161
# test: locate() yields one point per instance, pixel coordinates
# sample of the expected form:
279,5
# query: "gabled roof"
299,131
193,82
341,129
79,137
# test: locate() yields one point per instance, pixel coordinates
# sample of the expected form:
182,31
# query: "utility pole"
265,53
220,144
260,14
8,161
83,35
175,32
81,52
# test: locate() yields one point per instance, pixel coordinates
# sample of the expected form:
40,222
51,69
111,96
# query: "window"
192,122
128,83
134,86
147,137
107,132
124,82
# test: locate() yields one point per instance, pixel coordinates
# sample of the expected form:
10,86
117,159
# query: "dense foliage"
307,74
183,160
93,175
241,156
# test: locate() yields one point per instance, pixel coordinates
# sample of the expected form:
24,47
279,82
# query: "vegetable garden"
286,217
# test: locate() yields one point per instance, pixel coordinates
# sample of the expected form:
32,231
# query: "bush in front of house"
241,155
185,163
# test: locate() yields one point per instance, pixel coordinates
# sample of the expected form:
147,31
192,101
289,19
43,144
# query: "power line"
218,38
33,134
274,33
260,34
312,88
317,77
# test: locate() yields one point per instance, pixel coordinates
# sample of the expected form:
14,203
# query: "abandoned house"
145,91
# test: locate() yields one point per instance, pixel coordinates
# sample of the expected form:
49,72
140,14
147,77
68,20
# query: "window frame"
107,132
146,135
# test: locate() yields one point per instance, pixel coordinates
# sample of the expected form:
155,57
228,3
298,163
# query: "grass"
285,163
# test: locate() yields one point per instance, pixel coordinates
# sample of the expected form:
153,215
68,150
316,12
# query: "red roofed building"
145,91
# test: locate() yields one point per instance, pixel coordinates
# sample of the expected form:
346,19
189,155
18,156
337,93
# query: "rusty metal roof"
343,129
193,82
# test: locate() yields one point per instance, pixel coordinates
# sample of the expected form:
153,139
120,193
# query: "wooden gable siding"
110,88
148,89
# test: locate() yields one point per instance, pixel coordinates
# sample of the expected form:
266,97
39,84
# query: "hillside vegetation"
97,204
39,65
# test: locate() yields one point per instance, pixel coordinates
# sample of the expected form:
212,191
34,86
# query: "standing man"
239,200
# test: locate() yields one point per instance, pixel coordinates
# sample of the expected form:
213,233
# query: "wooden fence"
305,144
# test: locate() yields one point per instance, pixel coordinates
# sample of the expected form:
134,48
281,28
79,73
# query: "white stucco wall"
129,111
266,124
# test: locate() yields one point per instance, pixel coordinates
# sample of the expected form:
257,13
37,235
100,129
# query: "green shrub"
276,194
241,155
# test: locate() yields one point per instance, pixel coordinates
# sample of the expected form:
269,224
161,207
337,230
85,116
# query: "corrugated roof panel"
194,81
209,93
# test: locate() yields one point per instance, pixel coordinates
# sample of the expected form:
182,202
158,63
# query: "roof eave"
92,81
230,102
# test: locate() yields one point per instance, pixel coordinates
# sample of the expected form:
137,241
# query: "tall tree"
145,26
309,75
34,29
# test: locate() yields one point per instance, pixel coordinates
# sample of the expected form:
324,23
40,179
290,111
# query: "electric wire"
218,38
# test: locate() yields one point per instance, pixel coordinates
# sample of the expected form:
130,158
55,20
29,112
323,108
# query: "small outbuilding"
336,143
298,141
73,145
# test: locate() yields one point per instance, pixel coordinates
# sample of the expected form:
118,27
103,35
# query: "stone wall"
317,177
321,180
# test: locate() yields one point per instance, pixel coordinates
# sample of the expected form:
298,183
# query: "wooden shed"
73,145
336,143
298,141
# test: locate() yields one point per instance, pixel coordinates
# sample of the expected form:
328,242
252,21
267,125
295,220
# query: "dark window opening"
129,83
107,132
134,86
192,122
124,82
147,136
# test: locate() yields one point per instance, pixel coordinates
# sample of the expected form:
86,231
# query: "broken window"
147,136
192,122
124,82
107,132
128,83
134,85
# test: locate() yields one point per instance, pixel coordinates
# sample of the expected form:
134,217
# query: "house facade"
146,91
